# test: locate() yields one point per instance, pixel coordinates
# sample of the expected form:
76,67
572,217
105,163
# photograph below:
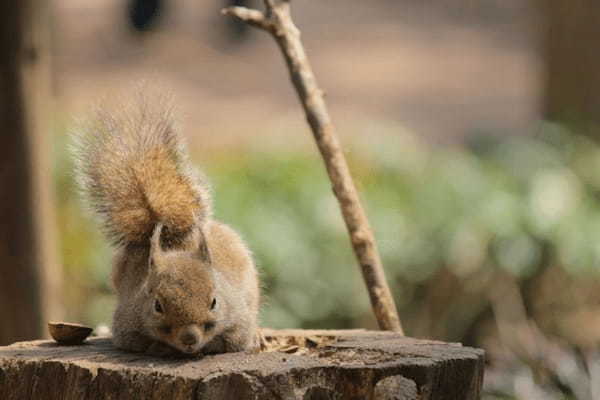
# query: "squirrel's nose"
188,338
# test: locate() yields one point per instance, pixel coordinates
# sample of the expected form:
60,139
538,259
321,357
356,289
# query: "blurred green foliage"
447,221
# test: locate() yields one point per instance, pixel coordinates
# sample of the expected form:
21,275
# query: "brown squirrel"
185,282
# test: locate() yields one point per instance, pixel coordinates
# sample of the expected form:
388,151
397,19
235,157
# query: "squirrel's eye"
157,307
209,326
213,304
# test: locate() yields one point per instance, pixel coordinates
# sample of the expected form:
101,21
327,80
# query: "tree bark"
350,365
29,276
571,55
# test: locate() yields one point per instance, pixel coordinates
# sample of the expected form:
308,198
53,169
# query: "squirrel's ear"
155,247
202,252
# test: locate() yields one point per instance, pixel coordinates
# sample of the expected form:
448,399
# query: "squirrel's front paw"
231,341
215,346
159,349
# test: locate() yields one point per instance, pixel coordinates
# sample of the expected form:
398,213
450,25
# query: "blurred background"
471,129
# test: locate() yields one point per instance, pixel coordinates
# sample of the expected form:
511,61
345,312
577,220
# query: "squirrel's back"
134,171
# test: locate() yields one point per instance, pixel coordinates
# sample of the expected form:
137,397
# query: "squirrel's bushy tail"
133,169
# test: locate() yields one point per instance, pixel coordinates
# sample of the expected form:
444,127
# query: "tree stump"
296,364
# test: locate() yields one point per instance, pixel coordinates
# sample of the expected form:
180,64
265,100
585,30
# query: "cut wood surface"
296,364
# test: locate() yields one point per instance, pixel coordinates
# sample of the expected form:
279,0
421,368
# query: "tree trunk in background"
571,53
29,278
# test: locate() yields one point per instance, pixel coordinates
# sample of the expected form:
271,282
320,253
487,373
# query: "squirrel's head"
182,304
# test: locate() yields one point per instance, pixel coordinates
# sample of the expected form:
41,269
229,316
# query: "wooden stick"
278,22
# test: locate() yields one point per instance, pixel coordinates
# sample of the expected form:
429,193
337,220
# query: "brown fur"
133,169
185,282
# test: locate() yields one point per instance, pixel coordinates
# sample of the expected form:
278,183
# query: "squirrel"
185,282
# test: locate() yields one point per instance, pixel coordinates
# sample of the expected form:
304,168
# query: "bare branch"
251,17
278,21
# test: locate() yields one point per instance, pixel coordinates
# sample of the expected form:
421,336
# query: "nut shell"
67,333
